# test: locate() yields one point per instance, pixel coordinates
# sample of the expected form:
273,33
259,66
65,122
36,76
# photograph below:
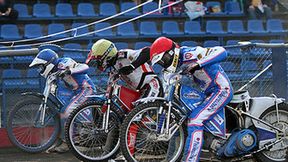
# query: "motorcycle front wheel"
85,134
25,129
140,140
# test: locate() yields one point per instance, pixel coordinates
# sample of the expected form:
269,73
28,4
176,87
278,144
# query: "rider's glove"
191,68
126,70
65,72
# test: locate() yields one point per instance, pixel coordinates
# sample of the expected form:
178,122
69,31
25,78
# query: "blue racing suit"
218,90
79,82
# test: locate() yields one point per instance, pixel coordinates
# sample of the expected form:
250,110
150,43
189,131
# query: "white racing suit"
218,90
79,82
143,77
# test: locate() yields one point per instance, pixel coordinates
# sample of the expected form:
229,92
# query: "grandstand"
38,18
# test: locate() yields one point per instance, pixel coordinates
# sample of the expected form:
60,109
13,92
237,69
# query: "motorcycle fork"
276,106
106,116
43,110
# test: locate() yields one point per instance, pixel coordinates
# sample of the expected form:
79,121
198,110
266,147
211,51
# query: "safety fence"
245,64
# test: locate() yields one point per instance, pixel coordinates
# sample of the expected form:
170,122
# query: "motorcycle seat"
240,96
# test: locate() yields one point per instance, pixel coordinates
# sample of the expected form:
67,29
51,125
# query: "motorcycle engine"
239,143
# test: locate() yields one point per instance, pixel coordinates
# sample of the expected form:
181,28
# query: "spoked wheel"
141,140
25,129
86,136
280,153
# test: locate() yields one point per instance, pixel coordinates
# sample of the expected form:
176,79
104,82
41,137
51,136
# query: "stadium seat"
78,56
148,28
232,8
42,10
171,28
12,78
107,9
127,5
126,30
139,45
55,28
22,10
274,26
257,41
232,42
214,27
192,27
121,45
33,78
236,27
23,59
277,41
228,66
259,50
210,4
10,32
80,30
85,9
189,43
64,10
249,66
211,43
107,32
255,26
33,31
150,7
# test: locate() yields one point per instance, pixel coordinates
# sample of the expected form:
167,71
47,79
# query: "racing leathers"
142,77
214,83
75,78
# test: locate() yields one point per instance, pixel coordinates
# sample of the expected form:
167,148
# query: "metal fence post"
280,73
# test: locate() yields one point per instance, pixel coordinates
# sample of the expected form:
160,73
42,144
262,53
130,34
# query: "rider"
203,65
75,77
132,64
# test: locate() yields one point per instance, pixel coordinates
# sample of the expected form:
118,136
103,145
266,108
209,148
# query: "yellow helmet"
101,53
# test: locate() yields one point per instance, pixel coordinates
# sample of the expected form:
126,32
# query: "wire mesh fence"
242,64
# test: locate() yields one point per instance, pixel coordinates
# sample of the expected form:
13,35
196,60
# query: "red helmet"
163,51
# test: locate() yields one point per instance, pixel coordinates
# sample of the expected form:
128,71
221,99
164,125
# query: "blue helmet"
46,60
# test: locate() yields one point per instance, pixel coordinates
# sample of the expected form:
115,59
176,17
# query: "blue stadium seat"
22,10
33,31
78,56
233,51
171,28
42,10
150,7
211,43
127,5
10,32
55,28
85,9
232,8
12,78
192,27
79,31
107,9
231,70
259,50
5,60
236,27
126,30
214,27
107,32
255,26
257,41
275,26
250,66
139,45
33,78
121,45
23,59
277,41
213,3
148,28
189,43
232,42
64,10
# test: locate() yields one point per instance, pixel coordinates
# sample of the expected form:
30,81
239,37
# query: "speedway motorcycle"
92,130
34,121
256,127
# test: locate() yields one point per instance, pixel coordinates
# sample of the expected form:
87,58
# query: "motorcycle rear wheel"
270,116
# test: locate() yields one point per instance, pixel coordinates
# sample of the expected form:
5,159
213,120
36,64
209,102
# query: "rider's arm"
212,55
72,66
79,68
142,58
